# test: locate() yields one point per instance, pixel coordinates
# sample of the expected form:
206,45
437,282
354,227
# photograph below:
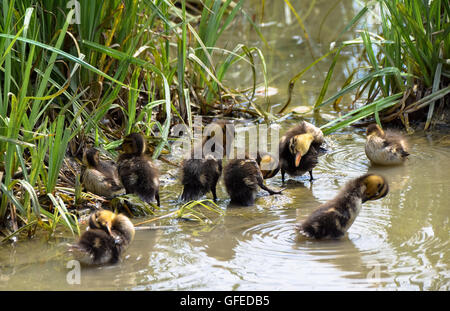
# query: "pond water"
398,242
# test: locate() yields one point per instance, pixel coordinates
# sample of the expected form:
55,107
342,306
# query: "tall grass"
404,69
128,66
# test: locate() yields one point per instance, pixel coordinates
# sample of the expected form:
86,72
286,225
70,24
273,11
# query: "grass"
405,69
127,66
145,65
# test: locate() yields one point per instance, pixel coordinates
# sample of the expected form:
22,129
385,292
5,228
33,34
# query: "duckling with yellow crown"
333,218
299,150
108,236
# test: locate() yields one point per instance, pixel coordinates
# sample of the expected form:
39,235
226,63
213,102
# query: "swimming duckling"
333,218
385,147
107,237
200,176
242,178
268,165
100,177
137,173
299,149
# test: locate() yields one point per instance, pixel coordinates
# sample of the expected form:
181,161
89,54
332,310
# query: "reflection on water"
398,242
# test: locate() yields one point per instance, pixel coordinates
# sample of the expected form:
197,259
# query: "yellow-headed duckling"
385,147
242,178
107,237
333,218
299,149
136,171
99,177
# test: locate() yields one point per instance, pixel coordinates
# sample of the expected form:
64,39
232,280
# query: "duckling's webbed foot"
271,192
311,178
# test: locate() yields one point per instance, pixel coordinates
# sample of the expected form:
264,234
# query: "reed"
404,69
127,66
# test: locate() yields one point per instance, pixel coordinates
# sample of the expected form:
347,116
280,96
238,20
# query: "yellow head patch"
299,146
102,219
376,187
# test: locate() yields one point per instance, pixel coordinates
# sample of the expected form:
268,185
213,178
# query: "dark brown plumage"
299,150
242,178
136,171
333,218
107,237
99,177
199,176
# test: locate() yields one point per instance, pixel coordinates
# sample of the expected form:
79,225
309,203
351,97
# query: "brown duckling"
385,147
299,149
99,177
268,164
107,237
242,178
199,176
136,171
333,218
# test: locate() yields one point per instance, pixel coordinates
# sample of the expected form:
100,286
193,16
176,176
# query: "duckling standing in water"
100,178
385,147
200,176
137,173
242,178
299,150
107,237
333,218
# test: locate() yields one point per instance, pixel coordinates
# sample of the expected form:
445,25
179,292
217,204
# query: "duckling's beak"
298,158
108,227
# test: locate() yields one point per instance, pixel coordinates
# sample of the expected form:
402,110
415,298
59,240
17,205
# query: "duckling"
333,218
268,164
200,176
299,150
100,178
385,147
137,173
242,178
107,237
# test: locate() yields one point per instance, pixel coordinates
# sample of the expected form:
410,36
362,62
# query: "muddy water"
398,242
